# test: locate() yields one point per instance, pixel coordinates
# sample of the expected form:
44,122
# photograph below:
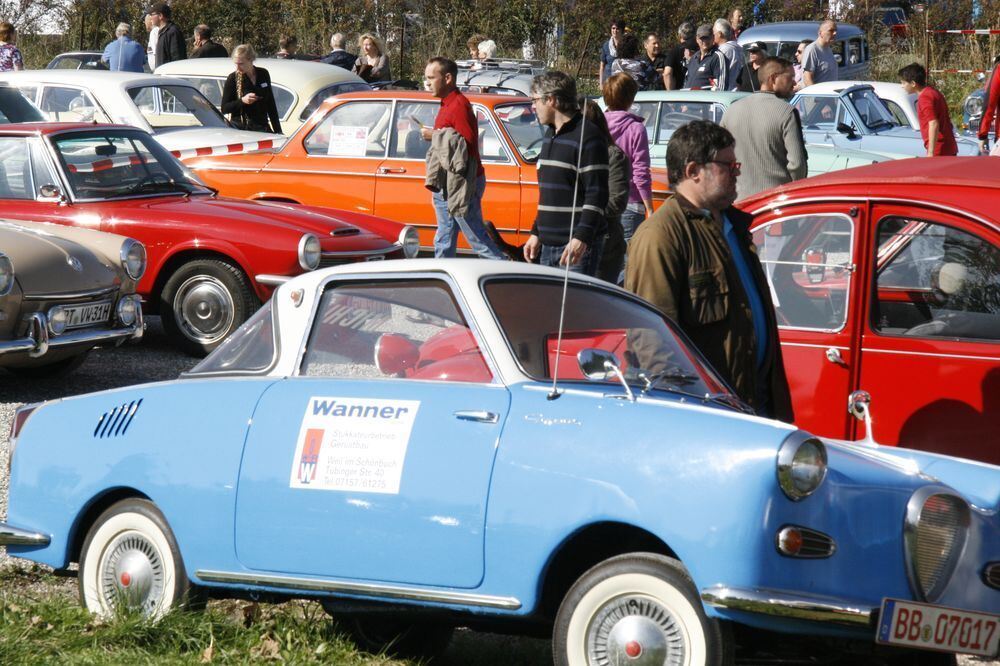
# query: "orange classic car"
363,152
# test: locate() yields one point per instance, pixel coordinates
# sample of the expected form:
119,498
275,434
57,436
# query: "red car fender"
152,281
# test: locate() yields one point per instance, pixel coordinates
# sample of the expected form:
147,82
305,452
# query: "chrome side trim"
93,293
272,280
366,589
829,610
15,536
992,359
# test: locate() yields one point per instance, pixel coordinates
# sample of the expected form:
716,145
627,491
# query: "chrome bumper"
38,342
15,536
831,610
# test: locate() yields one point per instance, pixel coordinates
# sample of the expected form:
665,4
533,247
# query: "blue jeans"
588,264
471,225
632,217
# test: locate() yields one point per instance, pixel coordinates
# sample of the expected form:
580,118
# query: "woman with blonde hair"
373,63
248,97
10,55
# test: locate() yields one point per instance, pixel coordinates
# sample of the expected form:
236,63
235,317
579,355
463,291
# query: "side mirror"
395,354
598,365
815,261
844,128
859,406
50,191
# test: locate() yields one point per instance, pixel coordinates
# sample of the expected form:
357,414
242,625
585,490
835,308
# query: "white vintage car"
902,105
172,110
300,86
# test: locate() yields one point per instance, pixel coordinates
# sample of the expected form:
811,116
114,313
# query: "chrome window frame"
43,86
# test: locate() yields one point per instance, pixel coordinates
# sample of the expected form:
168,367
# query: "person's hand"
573,253
249,98
532,248
426,133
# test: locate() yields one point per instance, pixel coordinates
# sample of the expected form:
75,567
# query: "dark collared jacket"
170,45
340,59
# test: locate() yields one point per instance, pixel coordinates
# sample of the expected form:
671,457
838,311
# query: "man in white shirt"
154,32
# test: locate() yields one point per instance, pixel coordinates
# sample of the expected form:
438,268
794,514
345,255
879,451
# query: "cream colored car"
300,86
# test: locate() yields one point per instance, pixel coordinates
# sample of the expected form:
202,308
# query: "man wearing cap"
169,40
750,81
767,130
707,69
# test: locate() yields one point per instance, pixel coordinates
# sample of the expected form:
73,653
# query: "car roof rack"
509,64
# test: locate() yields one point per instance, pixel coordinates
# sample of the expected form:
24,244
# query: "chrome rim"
637,631
132,574
204,308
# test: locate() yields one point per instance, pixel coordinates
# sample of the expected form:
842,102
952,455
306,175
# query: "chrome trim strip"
215,168
938,355
93,293
806,344
789,604
361,253
363,174
366,589
15,536
100,335
272,280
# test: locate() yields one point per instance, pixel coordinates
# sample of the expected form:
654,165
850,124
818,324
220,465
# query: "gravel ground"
155,360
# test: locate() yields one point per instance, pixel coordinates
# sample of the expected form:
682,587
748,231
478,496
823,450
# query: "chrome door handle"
833,356
478,416
389,170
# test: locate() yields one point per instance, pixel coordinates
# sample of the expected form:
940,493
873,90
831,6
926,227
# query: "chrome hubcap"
132,574
635,631
204,309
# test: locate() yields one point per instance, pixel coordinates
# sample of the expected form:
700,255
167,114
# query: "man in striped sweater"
768,131
572,180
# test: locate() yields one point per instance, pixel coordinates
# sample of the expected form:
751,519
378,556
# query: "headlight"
309,252
128,308
410,240
6,274
57,320
937,525
801,465
974,106
133,256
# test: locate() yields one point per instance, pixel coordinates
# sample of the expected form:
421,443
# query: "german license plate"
78,316
930,627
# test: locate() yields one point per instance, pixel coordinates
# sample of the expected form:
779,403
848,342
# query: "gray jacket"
769,142
451,170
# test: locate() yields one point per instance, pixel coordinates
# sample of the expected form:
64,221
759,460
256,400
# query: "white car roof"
294,74
94,79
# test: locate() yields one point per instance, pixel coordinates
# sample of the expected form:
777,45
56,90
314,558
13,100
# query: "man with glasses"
694,260
170,45
799,52
819,64
708,68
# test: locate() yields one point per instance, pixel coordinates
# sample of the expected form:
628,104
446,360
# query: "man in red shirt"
456,113
932,110
991,105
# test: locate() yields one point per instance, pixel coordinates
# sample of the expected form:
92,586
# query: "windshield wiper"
159,186
677,377
882,122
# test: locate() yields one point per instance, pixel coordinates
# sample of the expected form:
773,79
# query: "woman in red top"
992,102
932,111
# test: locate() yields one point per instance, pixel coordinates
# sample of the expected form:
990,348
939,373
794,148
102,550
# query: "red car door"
930,352
809,253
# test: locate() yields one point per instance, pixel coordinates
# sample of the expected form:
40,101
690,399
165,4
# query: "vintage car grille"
936,532
991,574
115,423
327,260
795,541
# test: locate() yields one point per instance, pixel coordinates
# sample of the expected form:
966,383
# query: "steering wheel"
150,180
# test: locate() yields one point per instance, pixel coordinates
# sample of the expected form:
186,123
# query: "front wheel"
130,562
637,609
203,302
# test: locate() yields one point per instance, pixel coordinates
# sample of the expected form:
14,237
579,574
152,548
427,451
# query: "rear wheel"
203,302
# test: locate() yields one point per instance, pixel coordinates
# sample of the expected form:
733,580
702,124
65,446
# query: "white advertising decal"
353,444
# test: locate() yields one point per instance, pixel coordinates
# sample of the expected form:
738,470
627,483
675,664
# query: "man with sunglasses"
694,260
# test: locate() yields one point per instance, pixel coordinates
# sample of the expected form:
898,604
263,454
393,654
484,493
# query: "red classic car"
362,151
886,279
212,260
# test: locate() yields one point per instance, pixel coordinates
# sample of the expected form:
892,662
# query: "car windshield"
108,164
870,109
14,108
522,125
250,349
175,106
650,352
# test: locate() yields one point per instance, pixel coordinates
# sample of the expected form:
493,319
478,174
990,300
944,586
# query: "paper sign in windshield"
348,141
354,444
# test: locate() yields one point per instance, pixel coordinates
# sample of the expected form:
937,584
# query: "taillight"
20,418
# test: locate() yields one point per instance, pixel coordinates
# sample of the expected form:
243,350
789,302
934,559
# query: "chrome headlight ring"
409,240
128,309
133,258
310,252
802,465
6,274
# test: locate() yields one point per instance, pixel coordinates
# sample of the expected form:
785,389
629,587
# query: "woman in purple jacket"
629,132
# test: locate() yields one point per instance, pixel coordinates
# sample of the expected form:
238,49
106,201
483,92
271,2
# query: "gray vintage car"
63,291
498,77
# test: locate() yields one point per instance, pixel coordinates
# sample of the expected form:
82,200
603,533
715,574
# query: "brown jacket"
679,261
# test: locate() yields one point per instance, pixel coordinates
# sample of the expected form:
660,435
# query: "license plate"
78,316
930,627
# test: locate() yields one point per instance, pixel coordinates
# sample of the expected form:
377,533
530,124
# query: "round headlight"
6,274
309,252
57,320
128,306
133,255
410,240
801,465
974,106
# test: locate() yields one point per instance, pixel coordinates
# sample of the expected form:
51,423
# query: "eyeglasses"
705,38
734,166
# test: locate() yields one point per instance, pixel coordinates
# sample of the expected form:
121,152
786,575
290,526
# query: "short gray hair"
724,28
123,29
338,40
686,31
560,86
489,47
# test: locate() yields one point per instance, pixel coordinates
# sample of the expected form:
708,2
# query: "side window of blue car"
404,329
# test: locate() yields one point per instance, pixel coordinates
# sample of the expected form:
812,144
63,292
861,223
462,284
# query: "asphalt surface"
155,360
